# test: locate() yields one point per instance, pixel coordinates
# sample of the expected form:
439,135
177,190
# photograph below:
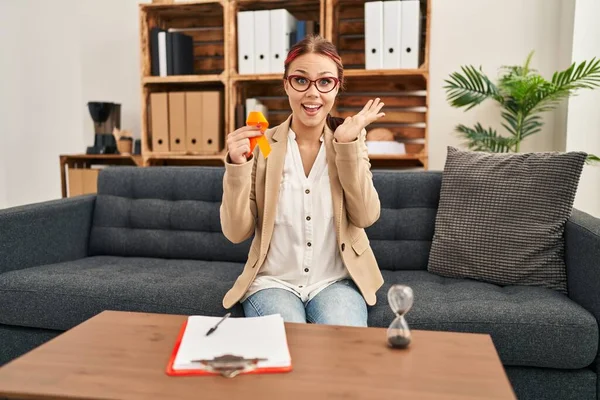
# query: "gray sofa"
151,241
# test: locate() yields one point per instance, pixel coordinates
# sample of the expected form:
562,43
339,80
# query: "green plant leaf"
480,139
469,88
531,125
592,159
512,121
585,75
523,95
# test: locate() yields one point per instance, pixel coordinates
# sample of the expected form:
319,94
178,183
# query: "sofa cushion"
501,217
60,296
170,212
401,237
530,326
173,212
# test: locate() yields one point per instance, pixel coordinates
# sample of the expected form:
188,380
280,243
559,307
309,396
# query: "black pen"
214,328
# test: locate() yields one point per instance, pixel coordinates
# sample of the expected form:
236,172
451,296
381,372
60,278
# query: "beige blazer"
251,193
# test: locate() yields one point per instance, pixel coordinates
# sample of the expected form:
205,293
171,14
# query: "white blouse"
303,257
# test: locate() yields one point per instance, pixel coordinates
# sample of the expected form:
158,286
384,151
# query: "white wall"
43,90
110,60
583,127
93,55
462,34
53,70
8,67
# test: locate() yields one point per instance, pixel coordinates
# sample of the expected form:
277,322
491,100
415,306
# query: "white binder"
392,19
245,34
283,24
374,35
162,53
410,34
262,43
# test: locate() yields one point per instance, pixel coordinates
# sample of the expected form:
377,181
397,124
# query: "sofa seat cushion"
530,326
60,296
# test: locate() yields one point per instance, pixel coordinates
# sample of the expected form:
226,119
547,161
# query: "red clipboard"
203,372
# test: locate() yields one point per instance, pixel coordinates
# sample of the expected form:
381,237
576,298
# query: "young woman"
307,204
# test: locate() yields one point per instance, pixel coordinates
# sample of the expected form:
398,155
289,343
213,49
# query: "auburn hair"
318,45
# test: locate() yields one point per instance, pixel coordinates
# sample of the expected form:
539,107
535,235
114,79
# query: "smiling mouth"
312,108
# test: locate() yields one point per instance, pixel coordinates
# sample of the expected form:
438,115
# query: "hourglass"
400,299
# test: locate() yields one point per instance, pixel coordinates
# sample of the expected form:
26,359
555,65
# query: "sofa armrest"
45,233
582,256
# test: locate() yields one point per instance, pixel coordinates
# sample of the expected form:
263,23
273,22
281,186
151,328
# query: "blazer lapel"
334,181
274,173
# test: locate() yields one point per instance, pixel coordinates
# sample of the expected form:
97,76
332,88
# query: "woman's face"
310,108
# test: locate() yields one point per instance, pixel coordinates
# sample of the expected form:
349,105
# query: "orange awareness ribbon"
256,118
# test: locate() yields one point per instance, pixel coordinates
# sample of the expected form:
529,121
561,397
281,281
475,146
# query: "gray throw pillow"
501,217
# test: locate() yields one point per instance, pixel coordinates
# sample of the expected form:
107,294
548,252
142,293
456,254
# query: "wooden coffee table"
122,355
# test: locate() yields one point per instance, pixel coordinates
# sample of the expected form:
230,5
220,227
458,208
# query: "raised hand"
353,126
238,143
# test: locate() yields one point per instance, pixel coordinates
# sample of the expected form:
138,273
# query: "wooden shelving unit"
213,24
86,161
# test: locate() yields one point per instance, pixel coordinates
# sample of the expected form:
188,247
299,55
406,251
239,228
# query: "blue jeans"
338,304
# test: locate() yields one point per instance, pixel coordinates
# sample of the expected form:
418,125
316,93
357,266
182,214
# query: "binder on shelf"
211,115
245,44
283,24
262,44
193,122
252,345
171,53
180,54
159,119
162,53
392,21
374,35
300,32
177,121
410,34
155,51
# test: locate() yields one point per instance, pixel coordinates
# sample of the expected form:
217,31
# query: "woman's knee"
275,301
339,304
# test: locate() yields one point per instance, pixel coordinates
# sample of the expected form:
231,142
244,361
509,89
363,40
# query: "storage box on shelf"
404,90
78,175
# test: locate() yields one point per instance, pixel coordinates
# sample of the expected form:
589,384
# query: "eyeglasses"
302,84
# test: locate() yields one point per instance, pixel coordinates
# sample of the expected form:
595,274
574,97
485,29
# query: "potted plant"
523,95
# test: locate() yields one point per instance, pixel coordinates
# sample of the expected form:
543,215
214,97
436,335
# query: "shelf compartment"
269,92
157,159
147,147
310,10
202,20
154,80
347,32
405,99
